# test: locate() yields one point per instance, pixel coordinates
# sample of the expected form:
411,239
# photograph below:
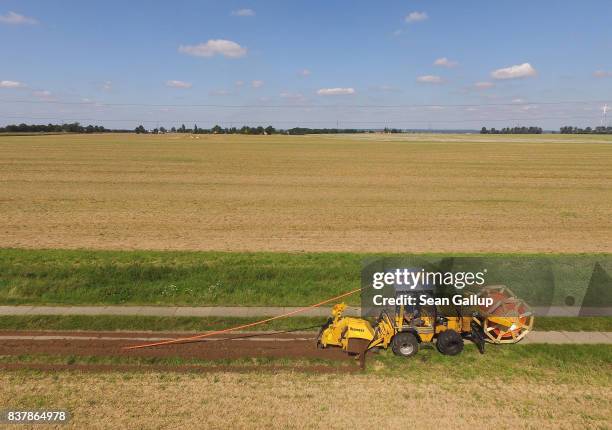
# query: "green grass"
573,324
563,363
73,277
149,323
174,278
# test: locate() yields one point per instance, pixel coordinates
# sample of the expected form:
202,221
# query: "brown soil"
235,346
180,369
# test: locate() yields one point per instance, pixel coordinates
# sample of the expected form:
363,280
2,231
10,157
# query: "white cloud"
219,93
524,70
243,12
107,85
294,97
429,79
397,32
16,19
602,74
178,84
305,72
257,84
518,100
335,91
43,94
385,89
239,83
483,85
445,62
213,47
11,84
416,17
287,94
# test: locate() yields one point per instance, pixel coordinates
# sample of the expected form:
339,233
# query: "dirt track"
112,344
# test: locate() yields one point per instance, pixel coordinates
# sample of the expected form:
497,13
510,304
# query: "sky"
415,64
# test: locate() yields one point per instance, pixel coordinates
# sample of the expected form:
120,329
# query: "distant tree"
162,130
74,127
182,129
515,130
586,130
140,129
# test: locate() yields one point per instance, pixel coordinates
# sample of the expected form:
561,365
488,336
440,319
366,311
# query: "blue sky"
316,62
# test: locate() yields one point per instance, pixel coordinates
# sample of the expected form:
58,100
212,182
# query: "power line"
303,106
333,122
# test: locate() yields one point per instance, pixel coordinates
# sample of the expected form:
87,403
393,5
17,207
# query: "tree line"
73,127
586,130
76,127
512,130
214,130
538,130
217,129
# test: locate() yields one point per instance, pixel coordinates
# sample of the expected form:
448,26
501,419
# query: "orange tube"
227,330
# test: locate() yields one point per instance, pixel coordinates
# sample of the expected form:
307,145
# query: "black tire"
450,342
405,344
321,330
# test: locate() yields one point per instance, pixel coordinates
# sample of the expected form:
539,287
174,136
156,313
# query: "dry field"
307,193
294,400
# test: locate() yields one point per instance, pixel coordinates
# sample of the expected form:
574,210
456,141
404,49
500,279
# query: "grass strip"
573,324
147,323
83,277
535,362
174,278
150,323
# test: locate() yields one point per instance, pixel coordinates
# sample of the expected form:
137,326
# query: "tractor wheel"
450,342
405,344
320,334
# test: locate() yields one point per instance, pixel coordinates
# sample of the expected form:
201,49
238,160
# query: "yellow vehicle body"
341,330
405,331
346,330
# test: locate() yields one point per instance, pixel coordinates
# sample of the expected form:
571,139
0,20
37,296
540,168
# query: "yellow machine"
507,320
